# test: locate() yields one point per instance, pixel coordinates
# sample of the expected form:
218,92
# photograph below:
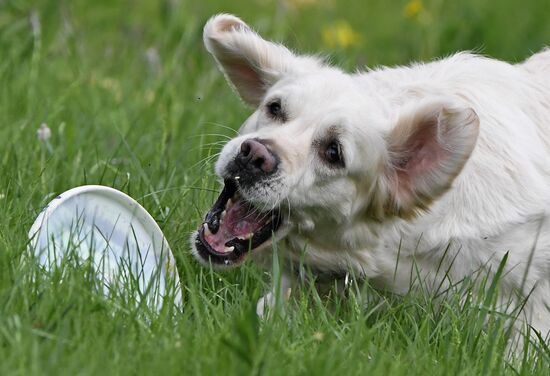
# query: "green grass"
152,129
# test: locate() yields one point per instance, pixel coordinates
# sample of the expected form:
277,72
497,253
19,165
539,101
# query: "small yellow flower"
413,8
318,336
341,34
149,96
112,86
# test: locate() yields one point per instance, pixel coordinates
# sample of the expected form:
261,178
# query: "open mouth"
233,227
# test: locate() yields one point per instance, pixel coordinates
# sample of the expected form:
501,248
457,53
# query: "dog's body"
432,172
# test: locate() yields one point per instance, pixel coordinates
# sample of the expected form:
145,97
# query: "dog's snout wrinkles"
256,157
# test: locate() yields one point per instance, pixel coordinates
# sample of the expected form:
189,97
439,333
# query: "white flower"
36,27
44,133
153,60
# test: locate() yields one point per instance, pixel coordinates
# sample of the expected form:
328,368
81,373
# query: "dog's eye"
333,154
275,110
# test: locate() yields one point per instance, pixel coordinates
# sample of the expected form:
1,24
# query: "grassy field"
134,102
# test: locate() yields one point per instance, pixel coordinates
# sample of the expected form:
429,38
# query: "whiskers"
266,208
203,163
177,188
222,126
214,145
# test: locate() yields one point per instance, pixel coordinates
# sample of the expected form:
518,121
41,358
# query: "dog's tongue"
241,220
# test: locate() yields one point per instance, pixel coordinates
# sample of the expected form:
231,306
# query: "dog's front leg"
280,292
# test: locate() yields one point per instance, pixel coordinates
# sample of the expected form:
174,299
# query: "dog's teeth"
229,249
228,205
206,229
222,216
246,236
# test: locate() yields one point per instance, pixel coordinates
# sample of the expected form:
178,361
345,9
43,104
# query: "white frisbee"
114,232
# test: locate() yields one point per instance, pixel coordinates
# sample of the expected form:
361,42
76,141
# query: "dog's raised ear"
251,63
427,149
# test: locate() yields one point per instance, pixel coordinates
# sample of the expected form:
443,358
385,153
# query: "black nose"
256,158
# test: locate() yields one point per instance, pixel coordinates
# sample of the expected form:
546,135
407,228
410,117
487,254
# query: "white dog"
432,171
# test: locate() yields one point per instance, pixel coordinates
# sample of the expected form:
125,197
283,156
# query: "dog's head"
322,147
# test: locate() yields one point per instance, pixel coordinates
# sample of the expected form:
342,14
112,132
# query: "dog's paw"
265,303
269,301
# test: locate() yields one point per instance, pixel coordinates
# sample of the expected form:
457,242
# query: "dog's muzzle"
254,163
234,226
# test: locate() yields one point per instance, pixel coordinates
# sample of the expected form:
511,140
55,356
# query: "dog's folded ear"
251,63
427,148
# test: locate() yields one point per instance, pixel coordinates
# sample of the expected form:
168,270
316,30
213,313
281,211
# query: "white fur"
480,188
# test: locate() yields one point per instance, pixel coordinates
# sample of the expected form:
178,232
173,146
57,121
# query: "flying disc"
112,231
